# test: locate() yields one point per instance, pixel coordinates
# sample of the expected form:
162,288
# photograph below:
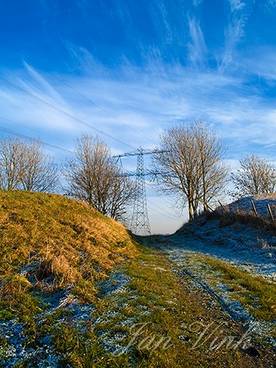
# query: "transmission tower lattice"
140,224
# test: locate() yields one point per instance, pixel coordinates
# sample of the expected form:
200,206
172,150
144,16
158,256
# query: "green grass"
165,306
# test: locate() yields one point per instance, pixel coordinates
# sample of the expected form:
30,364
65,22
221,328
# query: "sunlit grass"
55,242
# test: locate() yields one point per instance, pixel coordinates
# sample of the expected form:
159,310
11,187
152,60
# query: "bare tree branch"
11,163
191,164
256,176
23,166
39,172
94,177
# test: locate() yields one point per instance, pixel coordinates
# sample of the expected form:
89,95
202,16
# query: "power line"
154,207
71,116
140,207
24,136
145,152
80,93
161,213
168,203
161,210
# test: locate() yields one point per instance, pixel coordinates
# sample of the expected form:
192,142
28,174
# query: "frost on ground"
15,348
207,279
261,201
242,245
110,325
113,326
116,283
122,305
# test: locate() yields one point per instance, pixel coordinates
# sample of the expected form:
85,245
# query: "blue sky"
132,68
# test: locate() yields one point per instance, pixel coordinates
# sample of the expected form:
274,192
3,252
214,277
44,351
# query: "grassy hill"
58,308
49,243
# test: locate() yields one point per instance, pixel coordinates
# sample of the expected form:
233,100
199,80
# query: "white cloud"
29,99
234,31
232,164
236,5
37,84
164,16
233,34
197,48
260,62
136,105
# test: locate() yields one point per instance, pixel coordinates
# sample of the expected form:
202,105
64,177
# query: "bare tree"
178,167
94,177
122,194
255,176
212,172
190,166
11,163
25,166
39,173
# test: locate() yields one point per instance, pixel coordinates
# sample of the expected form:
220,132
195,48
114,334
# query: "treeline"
24,166
92,175
190,166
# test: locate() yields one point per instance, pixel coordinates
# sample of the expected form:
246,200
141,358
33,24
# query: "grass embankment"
49,242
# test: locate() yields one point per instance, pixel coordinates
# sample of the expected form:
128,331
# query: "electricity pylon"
139,223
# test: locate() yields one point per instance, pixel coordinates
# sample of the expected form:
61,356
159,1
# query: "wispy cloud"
197,48
35,84
234,31
164,17
261,61
136,104
197,2
236,5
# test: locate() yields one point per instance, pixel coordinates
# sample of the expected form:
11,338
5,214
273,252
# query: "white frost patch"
238,244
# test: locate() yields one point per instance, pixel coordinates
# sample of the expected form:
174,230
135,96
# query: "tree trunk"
191,210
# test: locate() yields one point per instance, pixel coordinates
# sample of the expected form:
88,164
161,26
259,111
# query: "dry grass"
56,242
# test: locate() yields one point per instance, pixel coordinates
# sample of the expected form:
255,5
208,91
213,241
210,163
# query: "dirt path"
229,281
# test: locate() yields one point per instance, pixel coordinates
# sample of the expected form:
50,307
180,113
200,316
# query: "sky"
125,70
